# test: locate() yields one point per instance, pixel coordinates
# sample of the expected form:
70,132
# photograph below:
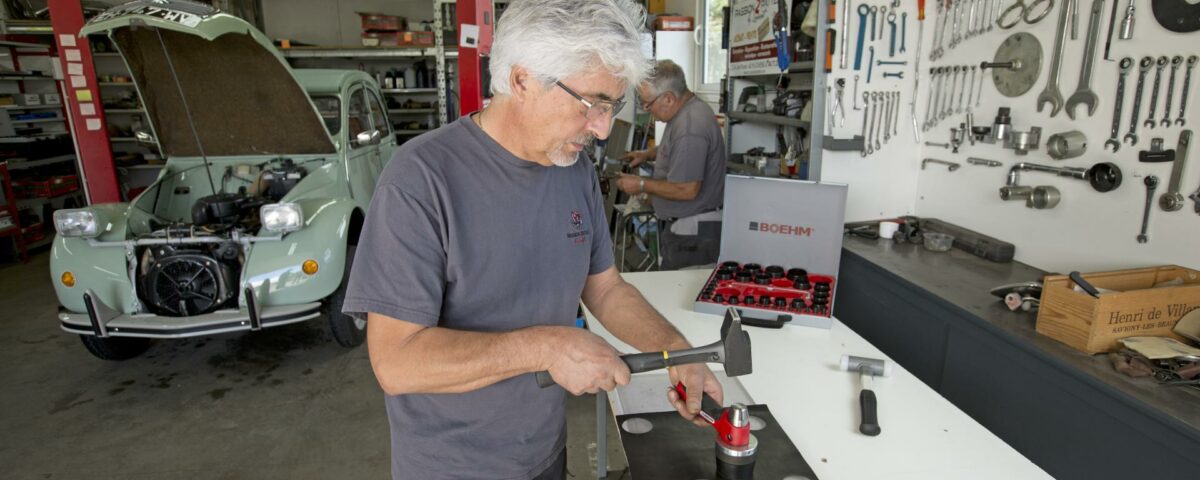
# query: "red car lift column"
89,130
472,46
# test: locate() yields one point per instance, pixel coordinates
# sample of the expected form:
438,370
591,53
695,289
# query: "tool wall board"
1088,230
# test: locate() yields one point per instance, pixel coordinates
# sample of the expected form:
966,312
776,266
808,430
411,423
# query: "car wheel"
347,330
115,348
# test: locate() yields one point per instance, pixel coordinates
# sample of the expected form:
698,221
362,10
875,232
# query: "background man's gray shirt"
461,234
692,150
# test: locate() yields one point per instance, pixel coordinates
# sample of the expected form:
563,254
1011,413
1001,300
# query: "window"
330,109
379,116
714,58
358,117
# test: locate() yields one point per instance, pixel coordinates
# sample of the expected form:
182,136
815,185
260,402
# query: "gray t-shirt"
692,150
461,234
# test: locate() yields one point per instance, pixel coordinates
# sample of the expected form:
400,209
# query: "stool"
621,220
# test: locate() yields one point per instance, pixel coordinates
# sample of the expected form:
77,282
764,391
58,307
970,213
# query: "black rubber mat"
676,449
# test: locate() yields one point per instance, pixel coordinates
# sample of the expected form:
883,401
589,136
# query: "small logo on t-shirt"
579,235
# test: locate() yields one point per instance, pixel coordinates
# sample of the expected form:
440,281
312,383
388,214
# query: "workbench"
796,374
1067,411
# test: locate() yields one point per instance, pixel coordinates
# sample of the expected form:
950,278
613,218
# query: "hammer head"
735,345
866,366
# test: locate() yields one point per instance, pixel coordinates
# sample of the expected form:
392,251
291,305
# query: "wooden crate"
1094,325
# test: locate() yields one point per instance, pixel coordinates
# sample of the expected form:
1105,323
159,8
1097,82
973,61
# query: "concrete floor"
281,403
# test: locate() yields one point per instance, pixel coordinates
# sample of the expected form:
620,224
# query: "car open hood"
190,61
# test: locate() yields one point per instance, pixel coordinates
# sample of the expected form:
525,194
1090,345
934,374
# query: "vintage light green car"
252,222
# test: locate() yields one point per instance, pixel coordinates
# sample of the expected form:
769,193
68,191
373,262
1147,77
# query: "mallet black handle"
870,422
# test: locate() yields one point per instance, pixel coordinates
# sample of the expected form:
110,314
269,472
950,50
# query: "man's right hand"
581,362
637,157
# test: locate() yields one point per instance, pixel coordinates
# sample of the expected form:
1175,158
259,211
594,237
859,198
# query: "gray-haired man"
688,186
482,238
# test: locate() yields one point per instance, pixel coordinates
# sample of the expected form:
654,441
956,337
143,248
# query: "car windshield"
331,108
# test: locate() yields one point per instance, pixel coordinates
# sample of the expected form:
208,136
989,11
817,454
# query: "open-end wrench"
939,32
1114,139
1187,83
844,32
879,120
995,12
1158,73
953,10
1176,61
1143,67
1151,184
979,91
948,106
1051,94
1172,200
874,112
1074,6
971,18
891,20
904,33
1083,92
863,10
866,119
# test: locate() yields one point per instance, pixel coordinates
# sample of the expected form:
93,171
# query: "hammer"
867,368
732,351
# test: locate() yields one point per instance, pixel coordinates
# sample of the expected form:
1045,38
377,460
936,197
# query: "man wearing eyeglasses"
481,240
687,189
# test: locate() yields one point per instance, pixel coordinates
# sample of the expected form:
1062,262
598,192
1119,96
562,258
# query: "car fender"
273,268
103,270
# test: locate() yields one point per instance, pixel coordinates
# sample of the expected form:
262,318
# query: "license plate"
174,12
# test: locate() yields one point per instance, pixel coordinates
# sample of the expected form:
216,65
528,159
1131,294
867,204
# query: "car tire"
115,348
347,330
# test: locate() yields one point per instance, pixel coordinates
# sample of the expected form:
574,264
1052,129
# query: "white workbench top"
796,374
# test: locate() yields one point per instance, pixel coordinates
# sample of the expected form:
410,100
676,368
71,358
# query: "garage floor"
281,403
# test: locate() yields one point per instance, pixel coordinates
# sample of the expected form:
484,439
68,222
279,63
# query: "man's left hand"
696,378
630,184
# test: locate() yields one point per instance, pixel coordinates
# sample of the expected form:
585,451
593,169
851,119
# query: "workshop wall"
1088,230
883,184
336,23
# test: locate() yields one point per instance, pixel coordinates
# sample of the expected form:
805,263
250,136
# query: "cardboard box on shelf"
29,99
656,6
665,22
378,22
1143,302
52,99
397,39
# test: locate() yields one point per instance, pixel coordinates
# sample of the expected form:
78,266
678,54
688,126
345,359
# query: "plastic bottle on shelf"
410,77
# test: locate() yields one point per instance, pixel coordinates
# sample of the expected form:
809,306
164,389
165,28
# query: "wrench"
887,113
1151,184
866,117
948,108
970,83
1143,68
1187,83
874,114
896,114
891,19
878,118
971,18
1051,94
882,14
1112,22
1176,61
939,32
1158,72
899,75
870,63
844,33
903,32
1083,93
1172,201
934,76
863,10
874,14
979,91
1113,140
856,107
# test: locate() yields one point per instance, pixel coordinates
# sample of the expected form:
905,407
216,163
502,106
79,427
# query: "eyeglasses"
646,105
595,110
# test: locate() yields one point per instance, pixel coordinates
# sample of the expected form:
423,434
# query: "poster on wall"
751,37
